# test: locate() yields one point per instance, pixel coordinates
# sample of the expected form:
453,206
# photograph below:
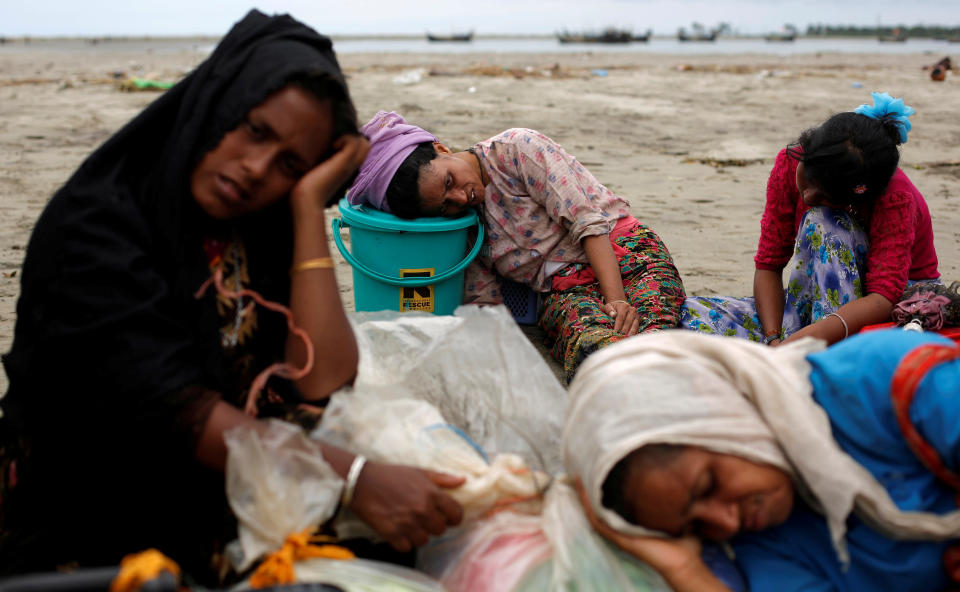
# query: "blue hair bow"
886,107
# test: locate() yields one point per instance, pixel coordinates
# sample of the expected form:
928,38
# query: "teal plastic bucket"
406,265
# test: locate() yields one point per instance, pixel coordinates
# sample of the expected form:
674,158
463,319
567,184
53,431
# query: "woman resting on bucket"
850,227
124,377
821,474
550,225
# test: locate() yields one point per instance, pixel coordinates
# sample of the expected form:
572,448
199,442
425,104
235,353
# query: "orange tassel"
139,568
277,568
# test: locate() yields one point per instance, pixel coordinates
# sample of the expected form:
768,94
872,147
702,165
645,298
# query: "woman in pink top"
550,225
846,222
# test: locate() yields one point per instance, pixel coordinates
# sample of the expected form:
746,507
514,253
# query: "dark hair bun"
892,127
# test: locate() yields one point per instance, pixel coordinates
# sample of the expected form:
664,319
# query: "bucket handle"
412,282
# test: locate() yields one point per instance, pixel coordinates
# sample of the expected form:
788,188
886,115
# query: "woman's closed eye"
707,486
255,131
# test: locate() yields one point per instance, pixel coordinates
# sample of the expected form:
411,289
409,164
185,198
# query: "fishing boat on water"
787,34
457,37
898,36
608,35
682,35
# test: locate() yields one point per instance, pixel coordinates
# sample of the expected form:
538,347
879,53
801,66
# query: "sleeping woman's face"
450,184
707,493
259,162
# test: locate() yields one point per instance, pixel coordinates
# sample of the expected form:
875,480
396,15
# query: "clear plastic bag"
477,368
277,484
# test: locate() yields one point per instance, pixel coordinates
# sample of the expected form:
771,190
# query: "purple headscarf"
392,140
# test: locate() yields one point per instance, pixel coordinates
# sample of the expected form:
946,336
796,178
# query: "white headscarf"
730,396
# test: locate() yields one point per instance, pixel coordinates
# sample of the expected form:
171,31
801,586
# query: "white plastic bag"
277,484
477,368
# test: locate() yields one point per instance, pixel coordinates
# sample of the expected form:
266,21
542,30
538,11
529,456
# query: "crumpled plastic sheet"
277,484
477,368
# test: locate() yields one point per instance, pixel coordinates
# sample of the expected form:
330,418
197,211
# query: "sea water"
510,44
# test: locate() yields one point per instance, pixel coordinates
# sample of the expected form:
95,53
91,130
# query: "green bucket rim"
372,218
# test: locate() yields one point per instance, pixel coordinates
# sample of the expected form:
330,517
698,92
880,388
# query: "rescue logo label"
419,298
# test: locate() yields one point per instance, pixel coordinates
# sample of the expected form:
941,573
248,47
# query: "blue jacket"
851,381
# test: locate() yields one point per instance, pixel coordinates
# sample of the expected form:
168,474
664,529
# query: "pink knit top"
898,226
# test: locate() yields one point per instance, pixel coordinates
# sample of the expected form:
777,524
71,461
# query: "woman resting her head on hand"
848,224
123,378
794,455
550,225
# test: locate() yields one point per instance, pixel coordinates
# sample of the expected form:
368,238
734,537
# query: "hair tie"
886,108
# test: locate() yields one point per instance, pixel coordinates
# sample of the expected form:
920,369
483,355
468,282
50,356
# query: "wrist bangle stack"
317,263
615,301
350,483
846,330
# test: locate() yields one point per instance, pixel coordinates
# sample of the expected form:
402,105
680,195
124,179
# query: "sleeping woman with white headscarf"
825,470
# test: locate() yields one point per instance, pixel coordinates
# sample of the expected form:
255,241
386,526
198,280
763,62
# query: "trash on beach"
472,89
554,71
144,84
409,77
938,71
724,162
599,72
856,85
30,80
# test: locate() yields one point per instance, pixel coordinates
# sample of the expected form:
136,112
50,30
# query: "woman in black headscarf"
122,381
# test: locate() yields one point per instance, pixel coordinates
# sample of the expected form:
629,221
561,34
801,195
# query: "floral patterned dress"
832,256
538,207
826,272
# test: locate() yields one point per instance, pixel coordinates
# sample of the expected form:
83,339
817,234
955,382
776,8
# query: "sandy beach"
689,139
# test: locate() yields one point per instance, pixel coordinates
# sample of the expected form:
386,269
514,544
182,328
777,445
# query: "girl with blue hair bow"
849,225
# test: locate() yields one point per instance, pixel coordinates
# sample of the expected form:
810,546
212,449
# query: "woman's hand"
607,269
625,317
664,555
404,504
868,310
315,188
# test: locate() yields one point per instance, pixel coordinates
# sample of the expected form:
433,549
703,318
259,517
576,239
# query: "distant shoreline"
28,39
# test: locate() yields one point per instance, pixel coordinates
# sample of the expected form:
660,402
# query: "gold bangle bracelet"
318,263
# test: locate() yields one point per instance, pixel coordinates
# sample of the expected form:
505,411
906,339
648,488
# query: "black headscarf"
110,345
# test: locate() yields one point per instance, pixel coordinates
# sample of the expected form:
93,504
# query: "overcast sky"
214,17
